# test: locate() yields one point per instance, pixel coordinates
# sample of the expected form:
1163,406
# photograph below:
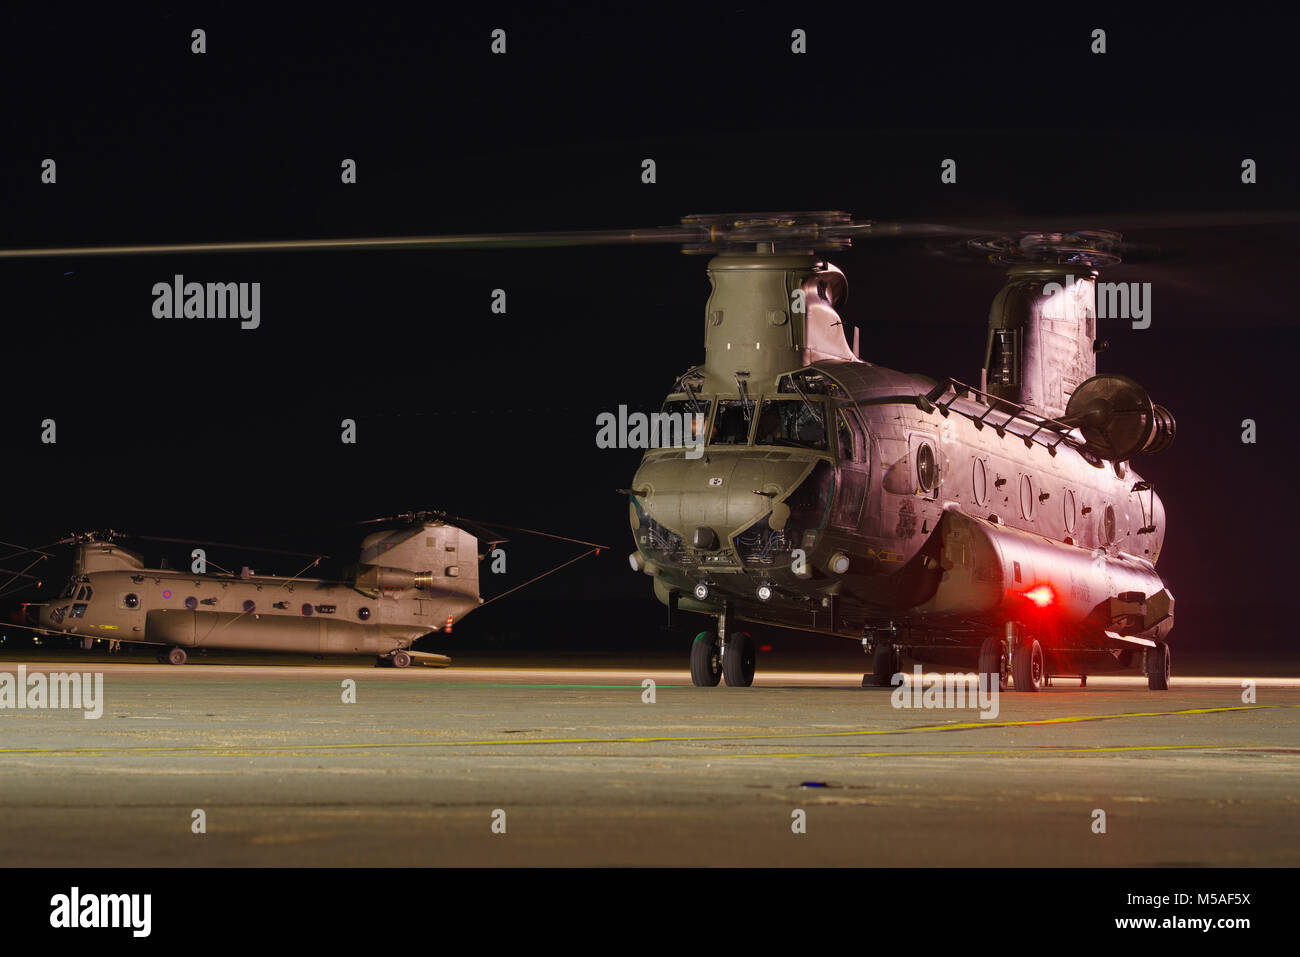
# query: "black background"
197,428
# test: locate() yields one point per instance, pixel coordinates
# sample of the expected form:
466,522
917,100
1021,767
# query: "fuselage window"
980,482
1027,499
731,423
792,422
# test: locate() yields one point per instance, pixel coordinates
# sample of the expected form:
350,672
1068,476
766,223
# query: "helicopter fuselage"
382,609
946,522
844,498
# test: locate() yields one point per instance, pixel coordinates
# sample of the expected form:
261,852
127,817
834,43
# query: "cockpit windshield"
731,423
799,422
685,422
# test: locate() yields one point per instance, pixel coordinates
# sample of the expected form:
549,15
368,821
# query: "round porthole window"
1069,511
363,613
1027,499
131,601
980,482
250,606
191,603
306,608
1108,525
926,473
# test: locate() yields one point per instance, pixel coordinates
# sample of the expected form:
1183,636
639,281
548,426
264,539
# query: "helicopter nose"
708,501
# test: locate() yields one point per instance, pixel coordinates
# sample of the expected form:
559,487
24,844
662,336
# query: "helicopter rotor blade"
242,548
702,233
608,237
697,233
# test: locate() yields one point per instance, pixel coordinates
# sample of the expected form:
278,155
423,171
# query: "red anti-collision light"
1041,595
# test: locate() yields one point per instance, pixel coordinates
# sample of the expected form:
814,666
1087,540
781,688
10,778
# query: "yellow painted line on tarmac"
652,739
1037,752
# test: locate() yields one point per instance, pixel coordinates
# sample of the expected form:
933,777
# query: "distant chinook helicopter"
415,579
999,527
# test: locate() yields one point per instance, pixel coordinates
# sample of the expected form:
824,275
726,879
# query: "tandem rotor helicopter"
415,578
998,527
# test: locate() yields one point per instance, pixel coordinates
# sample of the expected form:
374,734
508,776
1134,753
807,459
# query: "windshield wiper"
816,412
743,388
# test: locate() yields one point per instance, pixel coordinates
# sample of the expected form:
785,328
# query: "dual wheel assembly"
1028,668
712,660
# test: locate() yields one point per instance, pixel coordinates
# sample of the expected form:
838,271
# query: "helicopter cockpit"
788,421
78,588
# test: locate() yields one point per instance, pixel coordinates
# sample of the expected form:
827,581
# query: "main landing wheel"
886,661
400,659
1158,667
993,663
1028,668
706,660
739,661
176,656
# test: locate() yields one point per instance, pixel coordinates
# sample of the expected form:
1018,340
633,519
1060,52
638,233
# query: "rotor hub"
1093,248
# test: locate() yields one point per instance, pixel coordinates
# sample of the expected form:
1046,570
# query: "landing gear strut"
717,656
886,659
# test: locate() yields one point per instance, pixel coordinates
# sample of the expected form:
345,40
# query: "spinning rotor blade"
1037,237
699,233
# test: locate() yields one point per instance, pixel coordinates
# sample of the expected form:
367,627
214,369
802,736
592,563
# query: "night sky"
197,428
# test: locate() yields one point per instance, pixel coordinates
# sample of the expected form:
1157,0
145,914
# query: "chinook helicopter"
411,580
999,526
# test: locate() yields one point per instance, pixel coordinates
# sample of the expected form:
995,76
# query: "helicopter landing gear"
173,656
398,659
886,659
739,660
706,660
993,663
1158,667
1028,666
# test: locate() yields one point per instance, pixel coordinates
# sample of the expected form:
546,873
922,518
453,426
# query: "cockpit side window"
798,422
850,441
731,423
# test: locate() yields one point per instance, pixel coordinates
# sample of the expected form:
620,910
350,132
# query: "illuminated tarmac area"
586,772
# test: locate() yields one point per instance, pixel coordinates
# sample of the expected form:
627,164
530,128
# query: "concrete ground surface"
580,770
